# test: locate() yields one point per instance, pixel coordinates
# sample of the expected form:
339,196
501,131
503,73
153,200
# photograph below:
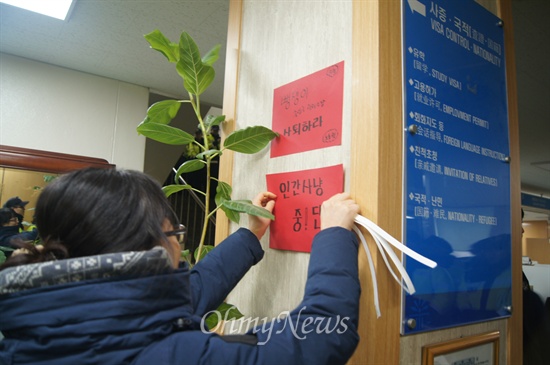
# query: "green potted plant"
197,74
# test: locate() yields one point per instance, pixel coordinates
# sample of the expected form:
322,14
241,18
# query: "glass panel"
457,179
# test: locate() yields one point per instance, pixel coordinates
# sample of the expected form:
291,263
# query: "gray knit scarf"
43,274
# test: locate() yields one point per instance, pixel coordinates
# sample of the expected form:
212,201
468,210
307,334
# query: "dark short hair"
95,210
6,215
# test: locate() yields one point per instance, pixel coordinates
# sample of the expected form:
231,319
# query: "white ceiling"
106,38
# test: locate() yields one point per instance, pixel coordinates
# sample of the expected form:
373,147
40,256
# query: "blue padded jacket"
152,314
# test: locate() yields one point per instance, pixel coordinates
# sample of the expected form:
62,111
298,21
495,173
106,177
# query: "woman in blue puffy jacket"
107,286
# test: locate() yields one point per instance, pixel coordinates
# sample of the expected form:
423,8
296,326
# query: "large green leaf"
160,43
225,312
211,120
165,133
171,189
207,154
249,140
232,215
246,206
190,166
162,112
223,193
212,56
196,74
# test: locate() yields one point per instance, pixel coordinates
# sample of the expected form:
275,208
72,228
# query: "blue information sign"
457,173
534,201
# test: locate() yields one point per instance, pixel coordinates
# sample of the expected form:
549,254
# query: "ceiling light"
55,8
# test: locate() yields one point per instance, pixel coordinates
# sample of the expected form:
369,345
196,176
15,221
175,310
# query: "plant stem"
197,190
214,211
206,209
195,102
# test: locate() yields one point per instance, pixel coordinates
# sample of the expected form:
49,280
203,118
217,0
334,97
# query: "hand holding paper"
258,225
339,211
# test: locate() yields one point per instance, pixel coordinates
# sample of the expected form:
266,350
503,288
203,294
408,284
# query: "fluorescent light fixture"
55,8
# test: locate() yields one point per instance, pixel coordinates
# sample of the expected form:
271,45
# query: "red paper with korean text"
307,113
298,206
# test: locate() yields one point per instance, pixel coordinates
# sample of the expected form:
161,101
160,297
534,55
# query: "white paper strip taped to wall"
383,241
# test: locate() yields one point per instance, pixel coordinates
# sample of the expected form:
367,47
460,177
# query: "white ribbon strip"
383,241
372,272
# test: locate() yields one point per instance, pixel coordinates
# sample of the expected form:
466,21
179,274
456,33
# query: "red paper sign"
298,207
307,113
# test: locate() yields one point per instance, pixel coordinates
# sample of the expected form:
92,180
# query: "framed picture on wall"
480,349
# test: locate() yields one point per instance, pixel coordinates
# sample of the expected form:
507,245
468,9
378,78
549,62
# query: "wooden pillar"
376,164
514,334
229,104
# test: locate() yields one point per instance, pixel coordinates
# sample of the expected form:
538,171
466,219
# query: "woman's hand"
339,211
258,225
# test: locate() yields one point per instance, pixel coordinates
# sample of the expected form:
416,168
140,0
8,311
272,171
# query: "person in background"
216,137
18,206
107,287
193,149
10,235
536,324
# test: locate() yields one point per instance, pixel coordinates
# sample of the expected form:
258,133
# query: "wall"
50,108
536,246
283,41
536,242
539,279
